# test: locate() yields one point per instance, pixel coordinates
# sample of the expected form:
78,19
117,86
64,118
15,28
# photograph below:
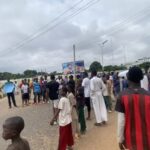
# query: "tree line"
98,67
94,66
25,74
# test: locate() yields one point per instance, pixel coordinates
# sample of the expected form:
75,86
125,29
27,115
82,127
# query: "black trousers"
11,97
37,95
88,103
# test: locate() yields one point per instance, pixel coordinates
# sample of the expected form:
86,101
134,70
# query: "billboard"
68,68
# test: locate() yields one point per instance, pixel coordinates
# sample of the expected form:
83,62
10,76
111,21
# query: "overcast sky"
124,23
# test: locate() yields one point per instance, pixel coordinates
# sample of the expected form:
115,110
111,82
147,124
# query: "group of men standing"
133,103
43,90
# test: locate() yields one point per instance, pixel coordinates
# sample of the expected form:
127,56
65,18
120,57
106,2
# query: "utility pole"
74,64
112,52
102,57
124,50
74,60
102,48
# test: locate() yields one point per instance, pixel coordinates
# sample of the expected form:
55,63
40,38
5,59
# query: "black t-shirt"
53,88
71,83
80,97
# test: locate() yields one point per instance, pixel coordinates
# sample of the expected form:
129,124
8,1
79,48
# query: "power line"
83,9
36,35
129,22
137,16
50,22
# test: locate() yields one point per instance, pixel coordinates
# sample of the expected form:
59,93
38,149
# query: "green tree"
114,68
108,68
30,73
145,66
41,73
95,66
54,73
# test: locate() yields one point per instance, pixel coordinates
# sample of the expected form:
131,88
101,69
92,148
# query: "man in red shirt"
133,107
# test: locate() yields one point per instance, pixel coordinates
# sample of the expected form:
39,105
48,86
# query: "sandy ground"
100,138
41,136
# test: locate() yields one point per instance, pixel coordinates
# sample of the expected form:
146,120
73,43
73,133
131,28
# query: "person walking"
133,107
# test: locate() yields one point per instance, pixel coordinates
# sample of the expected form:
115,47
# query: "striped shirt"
135,104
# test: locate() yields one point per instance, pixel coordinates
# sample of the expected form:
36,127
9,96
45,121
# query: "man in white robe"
96,88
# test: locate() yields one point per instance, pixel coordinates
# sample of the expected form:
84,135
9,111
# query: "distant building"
138,62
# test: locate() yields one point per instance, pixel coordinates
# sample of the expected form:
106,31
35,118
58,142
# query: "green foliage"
7,75
145,66
95,66
114,68
109,68
54,73
41,73
30,73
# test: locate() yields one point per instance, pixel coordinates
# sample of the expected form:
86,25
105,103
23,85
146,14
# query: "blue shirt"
36,87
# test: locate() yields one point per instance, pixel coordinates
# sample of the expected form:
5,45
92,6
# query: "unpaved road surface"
41,136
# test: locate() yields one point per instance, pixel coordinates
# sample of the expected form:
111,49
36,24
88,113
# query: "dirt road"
100,138
41,136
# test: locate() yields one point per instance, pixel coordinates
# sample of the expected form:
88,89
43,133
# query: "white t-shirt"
86,85
65,112
24,88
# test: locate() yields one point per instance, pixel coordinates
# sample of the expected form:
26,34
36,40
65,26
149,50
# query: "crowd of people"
71,96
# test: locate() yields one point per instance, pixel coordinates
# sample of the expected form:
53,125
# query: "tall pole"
102,57
112,52
74,58
103,43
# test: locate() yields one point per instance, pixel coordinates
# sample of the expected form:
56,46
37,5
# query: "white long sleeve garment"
121,127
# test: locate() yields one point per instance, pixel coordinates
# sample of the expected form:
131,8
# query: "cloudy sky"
39,34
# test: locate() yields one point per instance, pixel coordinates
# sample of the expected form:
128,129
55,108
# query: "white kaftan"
97,86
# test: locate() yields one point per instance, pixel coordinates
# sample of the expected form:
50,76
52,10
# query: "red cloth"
65,137
137,125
